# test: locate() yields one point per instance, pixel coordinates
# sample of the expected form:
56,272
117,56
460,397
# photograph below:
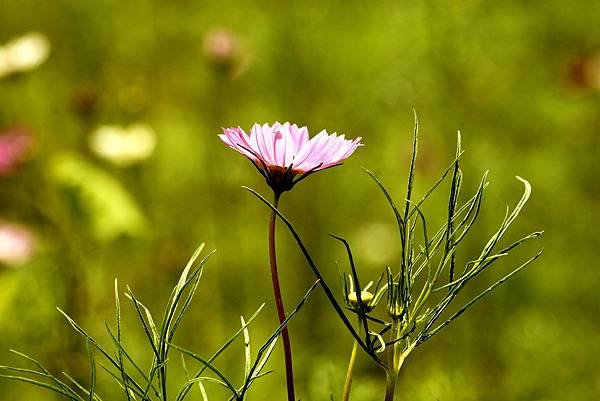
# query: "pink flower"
17,244
284,154
221,47
15,144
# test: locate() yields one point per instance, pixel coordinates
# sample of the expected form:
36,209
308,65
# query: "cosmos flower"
15,144
123,146
284,154
23,54
17,244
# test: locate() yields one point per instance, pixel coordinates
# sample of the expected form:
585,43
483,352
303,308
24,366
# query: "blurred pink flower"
281,152
17,244
221,46
14,146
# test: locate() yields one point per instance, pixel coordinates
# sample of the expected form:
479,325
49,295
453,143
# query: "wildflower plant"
421,292
284,155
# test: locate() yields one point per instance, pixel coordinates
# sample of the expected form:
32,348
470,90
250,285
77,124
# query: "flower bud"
222,48
365,296
395,310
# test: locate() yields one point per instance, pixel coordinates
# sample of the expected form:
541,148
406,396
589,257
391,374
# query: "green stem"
397,358
351,364
350,373
287,349
390,372
391,378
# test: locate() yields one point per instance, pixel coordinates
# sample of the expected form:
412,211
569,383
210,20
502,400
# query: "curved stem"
287,349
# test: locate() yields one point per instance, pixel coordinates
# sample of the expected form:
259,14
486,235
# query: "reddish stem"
287,349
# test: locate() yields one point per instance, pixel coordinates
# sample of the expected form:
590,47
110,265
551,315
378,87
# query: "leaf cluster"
151,383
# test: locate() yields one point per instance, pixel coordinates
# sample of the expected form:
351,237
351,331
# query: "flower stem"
287,349
391,377
350,373
397,357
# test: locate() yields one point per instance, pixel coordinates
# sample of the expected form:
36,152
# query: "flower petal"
278,147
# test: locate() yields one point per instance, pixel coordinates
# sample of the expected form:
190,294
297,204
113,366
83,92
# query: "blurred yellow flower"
123,146
23,54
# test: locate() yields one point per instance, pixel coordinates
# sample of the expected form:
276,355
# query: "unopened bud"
365,296
222,48
395,310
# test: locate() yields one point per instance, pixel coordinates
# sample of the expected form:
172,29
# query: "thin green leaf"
361,308
436,241
265,351
167,327
184,391
124,352
391,202
248,355
479,296
263,360
151,375
42,384
186,270
189,297
203,391
134,390
93,371
453,199
118,340
97,346
44,372
508,220
185,368
210,366
411,171
84,390
149,327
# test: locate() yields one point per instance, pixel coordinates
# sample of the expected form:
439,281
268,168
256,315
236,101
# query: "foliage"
151,384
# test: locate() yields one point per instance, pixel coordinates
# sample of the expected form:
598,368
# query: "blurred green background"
520,80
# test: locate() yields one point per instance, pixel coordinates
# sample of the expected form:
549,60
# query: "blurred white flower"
123,146
17,244
24,53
